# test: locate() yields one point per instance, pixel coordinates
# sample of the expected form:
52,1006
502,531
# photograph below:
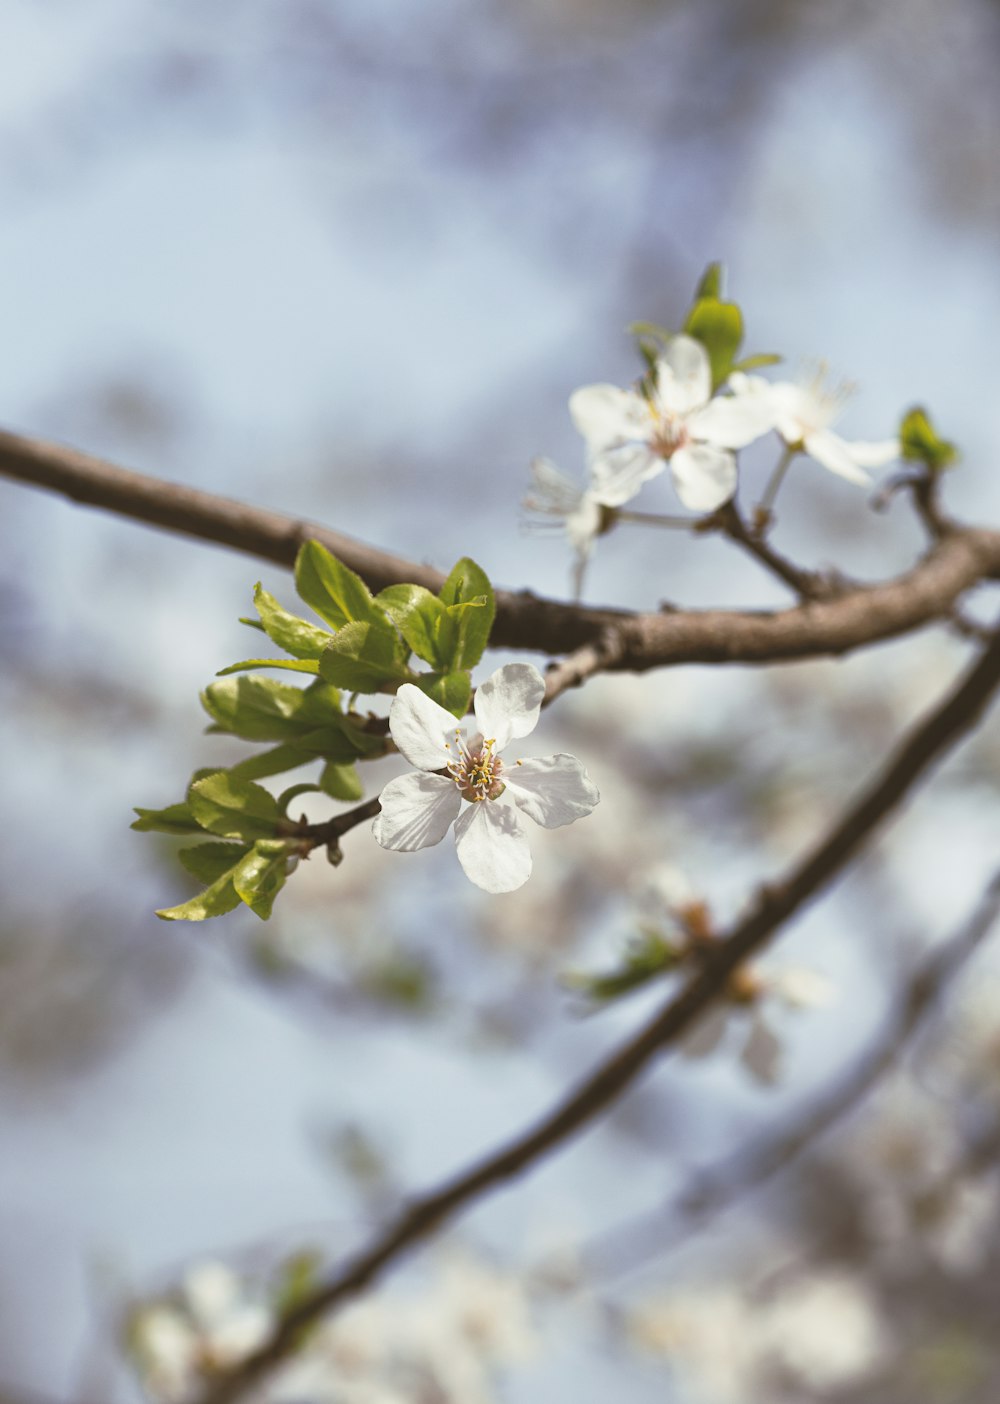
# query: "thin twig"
961,559
807,584
657,519
764,510
774,905
585,663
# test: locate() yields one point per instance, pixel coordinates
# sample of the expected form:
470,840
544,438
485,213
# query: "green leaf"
210,861
334,592
296,636
290,665
403,980
649,330
364,657
261,875
321,705
646,957
232,807
451,691
293,792
216,900
417,614
710,283
258,709
757,361
463,640
263,709
299,1276
175,819
719,328
277,759
342,782
920,442
341,743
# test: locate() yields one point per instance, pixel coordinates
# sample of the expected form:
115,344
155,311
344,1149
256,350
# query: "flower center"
475,769
669,433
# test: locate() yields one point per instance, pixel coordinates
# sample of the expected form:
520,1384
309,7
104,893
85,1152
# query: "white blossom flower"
418,809
709,1334
166,1350
825,1331
803,414
631,437
554,495
211,1325
794,986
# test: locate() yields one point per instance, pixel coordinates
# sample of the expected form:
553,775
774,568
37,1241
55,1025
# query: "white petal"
800,409
606,415
492,847
583,524
421,728
802,988
235,1338
743,384
552,490
507,703
666,889
704,477
616,475
417,811
707,1033
212,1292
733,421
834,453
683,376
761,1054
554,790
874,455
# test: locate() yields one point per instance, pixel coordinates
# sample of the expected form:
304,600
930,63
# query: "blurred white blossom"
803,414
825,1331
556,498
746,1010
820,1331
211,1325
446,1342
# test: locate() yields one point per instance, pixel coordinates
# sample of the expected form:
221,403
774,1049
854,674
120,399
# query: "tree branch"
714,1188
960,559
774,905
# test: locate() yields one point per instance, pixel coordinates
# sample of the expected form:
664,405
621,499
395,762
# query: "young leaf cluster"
367,644
921,443
713,321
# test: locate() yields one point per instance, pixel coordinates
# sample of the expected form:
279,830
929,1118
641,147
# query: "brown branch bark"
713,1188
961,558
807,584
927,742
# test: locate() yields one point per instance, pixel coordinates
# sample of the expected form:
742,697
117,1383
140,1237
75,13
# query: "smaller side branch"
807,584
576,669
928,741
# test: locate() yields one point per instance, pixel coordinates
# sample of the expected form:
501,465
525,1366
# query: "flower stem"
774,484
656,519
